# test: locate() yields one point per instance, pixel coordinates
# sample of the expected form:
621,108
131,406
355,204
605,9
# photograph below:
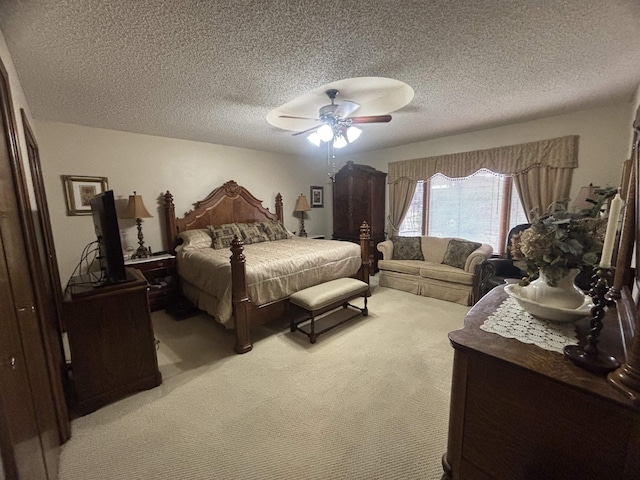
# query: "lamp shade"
135,208
353,133
301,204
581,203
314,138
325,132
339,141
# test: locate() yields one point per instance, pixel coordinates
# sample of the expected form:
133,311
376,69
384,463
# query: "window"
482,207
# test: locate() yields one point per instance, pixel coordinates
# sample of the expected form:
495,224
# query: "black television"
105,221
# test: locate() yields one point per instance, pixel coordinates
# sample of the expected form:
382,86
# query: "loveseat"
444,268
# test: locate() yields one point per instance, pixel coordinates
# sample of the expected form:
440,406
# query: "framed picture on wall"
79,190
317,197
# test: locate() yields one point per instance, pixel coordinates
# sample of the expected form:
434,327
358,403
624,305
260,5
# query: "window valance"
559,152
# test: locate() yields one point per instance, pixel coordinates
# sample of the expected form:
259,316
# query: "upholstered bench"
325,297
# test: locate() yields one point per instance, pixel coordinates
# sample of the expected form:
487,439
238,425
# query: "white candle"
610,236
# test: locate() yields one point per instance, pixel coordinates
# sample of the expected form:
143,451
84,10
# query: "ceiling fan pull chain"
330,162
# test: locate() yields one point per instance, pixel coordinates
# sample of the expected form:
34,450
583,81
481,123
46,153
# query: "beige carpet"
370,400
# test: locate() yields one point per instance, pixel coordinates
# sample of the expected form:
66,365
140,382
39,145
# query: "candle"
610,236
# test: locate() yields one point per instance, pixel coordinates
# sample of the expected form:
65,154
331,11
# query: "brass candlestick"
589,357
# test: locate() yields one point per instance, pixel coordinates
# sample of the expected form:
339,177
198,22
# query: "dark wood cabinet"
160,272
520,412
113,351
359,196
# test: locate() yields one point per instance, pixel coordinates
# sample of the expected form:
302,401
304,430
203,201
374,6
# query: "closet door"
44,266
30,435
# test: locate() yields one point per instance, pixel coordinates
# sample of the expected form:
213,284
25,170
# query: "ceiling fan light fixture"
339,142
353,133
314,138
325,132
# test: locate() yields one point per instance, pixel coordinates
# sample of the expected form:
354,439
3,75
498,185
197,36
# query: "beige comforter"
274,269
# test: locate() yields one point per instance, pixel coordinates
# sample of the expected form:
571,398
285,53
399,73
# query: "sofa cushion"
458,251
412,267
406,248
446,273
434,248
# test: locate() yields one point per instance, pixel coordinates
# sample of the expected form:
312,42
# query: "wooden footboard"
232,203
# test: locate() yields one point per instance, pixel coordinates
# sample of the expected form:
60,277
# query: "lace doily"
511,321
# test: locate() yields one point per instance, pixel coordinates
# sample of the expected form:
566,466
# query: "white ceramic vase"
564,295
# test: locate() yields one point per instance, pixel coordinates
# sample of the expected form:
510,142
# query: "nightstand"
160,272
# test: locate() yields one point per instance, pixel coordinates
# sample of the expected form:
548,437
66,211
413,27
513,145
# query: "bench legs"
312,334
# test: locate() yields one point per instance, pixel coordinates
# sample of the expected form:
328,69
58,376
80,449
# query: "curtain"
400,195
540,187
542,171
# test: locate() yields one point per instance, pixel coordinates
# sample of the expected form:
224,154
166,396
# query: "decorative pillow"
275,230
406,248
458,251
223,234
193,239
252,233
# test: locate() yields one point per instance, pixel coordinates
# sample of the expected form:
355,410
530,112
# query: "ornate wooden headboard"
229,203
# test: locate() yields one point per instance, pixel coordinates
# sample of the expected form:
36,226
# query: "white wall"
19,101
605,142
151,166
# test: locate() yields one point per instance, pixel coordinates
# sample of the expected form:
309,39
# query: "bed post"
364,251
279,208
240,298
170,222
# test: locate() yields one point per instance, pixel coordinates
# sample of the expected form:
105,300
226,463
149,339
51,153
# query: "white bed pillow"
194,239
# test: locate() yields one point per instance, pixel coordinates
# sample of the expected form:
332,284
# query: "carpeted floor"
370,400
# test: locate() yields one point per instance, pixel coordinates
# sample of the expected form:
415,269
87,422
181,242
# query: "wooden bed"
232,203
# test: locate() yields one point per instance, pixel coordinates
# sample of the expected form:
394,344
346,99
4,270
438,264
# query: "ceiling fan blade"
298,118
307,130
346,108
371,119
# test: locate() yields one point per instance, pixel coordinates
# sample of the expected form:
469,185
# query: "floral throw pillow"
275,230
223,234
406,248
458,251
252,233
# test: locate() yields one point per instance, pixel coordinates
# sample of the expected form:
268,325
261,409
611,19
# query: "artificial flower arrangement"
561,240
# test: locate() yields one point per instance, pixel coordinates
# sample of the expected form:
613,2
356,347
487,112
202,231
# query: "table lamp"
136,209
302,206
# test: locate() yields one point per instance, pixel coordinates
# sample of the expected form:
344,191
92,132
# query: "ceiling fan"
335,122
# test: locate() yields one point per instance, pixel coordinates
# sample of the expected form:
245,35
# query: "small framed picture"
79,190
317,197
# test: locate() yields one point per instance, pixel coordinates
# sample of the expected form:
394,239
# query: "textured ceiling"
212,70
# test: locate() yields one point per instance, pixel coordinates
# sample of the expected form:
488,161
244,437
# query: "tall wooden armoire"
358,196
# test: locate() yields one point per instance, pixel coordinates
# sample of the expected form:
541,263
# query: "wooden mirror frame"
627,376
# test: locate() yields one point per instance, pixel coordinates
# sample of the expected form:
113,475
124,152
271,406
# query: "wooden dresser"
358,196
111,340
521,412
